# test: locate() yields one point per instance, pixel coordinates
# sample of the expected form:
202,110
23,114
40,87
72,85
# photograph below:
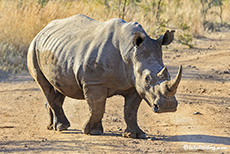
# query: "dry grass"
21,20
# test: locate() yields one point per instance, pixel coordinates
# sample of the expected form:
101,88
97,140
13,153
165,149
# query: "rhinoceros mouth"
156,109
155,106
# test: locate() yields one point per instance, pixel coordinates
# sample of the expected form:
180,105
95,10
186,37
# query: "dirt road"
201,124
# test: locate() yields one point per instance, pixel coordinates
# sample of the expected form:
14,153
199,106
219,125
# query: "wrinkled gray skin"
82,58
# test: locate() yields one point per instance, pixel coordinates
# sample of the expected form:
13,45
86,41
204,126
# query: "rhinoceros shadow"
72,131
76,131
194,138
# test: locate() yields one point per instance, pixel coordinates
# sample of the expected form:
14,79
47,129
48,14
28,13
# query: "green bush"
186,39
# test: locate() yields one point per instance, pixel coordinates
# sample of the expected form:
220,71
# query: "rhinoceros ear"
167,38
138,39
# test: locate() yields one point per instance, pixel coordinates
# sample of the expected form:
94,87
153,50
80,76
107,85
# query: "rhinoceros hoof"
134,135
93,131
50,127
96,130
61,127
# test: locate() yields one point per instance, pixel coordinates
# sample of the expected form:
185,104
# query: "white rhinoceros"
82,58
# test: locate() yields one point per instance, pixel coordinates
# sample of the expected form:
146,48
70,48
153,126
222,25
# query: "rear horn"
163,74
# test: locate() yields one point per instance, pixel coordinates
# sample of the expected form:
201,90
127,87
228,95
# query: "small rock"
44,140
166,56
197,113
114,119
135,142
218,72
194,67
119,129
150,139
177,55
202,90
209,77
227,71
188,66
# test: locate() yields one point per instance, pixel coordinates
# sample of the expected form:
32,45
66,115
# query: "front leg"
132,103
96,98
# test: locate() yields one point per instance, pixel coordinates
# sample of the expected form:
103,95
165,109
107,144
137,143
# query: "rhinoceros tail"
32,62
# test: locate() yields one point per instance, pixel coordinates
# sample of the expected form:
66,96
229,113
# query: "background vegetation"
21,20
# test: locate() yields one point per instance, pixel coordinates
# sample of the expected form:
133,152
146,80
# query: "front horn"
173,84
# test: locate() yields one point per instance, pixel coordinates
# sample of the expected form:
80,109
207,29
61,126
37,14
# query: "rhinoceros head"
151,77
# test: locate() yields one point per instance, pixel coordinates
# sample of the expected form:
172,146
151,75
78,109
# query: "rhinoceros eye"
148,79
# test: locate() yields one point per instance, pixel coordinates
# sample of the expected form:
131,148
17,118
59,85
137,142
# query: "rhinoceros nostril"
155,108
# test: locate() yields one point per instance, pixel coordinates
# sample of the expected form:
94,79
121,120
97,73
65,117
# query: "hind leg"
58,121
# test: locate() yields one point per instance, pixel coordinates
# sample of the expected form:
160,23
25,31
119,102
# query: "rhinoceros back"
79,50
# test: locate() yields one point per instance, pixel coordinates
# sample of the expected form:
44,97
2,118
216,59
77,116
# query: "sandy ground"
201,124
